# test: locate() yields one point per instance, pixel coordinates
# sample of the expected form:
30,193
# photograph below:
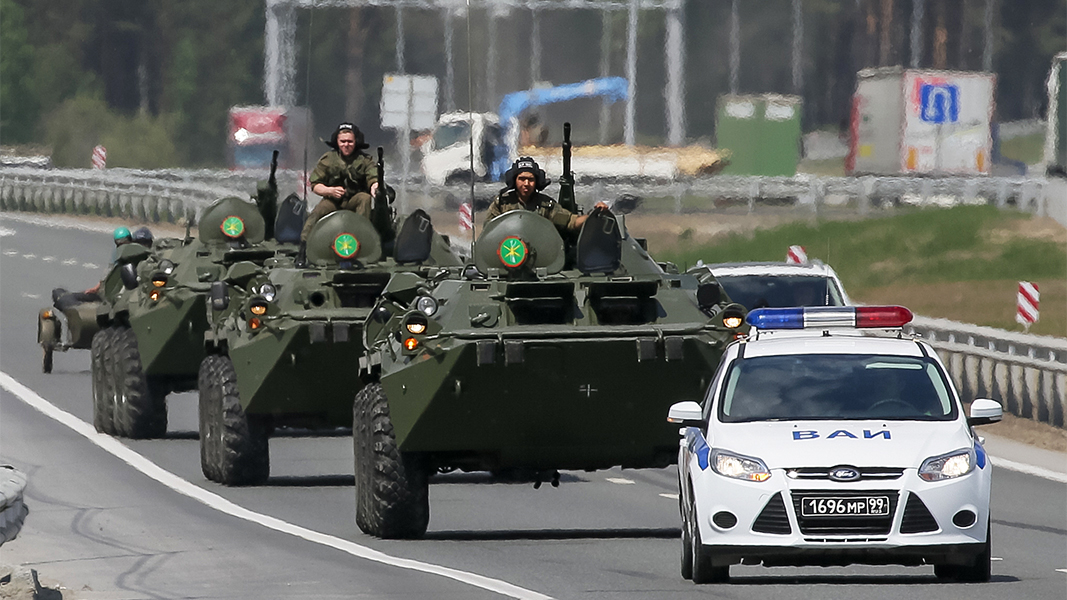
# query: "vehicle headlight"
427,305
258,307
268,292
416,327
737,466
159,280
948,466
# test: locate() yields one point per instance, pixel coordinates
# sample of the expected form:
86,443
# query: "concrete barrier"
12,508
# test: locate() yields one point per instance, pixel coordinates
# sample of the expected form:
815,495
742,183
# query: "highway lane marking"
1029,469
70,261
4,232
29,295
621,481
49,259
671,496
182,486
10,252
1062,570
29,256
90,266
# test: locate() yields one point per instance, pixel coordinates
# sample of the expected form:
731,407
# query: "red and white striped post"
99,157
466,218
1026,311
796,255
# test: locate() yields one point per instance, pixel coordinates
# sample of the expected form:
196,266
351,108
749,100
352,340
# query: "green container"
761,132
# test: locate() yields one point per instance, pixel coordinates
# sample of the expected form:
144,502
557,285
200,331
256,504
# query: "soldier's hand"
335,192
374,188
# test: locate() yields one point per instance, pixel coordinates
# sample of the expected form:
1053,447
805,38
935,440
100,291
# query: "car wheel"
392,487
234,446
978,571
687,536
141,409
703,570
103,404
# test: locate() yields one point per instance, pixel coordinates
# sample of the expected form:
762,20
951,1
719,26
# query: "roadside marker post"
1026,310
796,255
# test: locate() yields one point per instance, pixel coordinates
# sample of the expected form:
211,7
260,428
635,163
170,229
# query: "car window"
780,291
446,135
835,386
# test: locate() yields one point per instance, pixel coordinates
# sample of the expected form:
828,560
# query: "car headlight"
948,466
737,466
427,305
268,292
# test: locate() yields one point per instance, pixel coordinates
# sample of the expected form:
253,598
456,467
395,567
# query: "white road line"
1029,469
4,232
10,252
91,266
151,469
671,496
29,256
60,222
995,558
49,259
620,481
29,295
70,261
1061,570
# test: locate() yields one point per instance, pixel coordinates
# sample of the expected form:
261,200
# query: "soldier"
345,178
525,180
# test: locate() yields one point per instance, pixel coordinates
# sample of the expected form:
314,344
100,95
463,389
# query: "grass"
962,263
1027,148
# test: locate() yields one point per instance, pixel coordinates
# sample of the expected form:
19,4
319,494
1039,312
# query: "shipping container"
907,121
761,132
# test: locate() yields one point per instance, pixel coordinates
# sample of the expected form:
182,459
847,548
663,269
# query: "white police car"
819,443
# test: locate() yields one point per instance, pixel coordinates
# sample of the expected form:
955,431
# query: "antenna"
470,116
307,104
826,274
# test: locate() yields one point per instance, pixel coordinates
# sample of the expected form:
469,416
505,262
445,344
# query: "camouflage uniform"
542,204
356,175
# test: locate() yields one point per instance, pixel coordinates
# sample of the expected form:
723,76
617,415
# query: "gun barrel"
567,150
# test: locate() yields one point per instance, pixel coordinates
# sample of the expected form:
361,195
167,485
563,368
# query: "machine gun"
381,214
267,197
566,180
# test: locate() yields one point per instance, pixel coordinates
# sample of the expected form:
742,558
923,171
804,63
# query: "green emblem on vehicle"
232,226
512,251
346,245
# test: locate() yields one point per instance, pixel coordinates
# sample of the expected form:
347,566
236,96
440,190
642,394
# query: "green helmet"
122,235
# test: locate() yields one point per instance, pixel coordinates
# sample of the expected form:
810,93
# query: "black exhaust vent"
773,518
917,518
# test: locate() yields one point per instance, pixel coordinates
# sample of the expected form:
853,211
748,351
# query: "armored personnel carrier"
152,337
502,367
285,342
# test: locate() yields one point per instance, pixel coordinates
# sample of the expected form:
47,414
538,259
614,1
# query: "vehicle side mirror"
128,275
984,412
709,294
686,414
219,298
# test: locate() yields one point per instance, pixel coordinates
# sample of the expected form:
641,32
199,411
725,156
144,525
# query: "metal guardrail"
1027,374
12,508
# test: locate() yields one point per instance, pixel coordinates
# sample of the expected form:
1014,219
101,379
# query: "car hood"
903,444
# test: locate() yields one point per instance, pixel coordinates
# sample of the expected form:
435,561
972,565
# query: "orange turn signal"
159,282
254,323
411,343
258,309
155,295
47,314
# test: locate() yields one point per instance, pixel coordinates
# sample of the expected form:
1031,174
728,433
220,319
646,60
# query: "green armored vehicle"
285,342
498,369
152,340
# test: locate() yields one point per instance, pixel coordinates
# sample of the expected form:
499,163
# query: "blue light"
776,318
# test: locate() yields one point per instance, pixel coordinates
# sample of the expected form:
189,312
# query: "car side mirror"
128,275
984,412
686,414
219,298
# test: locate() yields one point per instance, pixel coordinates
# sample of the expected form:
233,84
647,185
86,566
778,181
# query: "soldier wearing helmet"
525,180
345,177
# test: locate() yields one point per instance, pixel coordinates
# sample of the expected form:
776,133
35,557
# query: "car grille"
773,518
866,474
917,518
845,526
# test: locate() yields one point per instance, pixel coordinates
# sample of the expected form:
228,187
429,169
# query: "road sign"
1026,311
99,157
939,103
409,102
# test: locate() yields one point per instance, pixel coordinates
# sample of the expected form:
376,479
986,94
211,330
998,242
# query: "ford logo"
844,474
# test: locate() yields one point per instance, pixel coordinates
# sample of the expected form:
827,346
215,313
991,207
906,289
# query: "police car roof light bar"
819,317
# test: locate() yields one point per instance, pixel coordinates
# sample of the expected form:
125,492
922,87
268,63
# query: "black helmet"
526,163
143,236
360,143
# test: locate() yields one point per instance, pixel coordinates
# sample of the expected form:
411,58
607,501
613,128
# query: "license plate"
844,506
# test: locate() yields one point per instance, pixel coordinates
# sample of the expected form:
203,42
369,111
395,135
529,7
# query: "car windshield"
835,386
779,291
446,135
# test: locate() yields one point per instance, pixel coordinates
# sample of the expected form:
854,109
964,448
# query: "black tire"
703,570
392,487
978,571
46,362
140,408
234,446
103,403
687,536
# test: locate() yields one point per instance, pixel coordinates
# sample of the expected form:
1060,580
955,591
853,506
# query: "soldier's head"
347,139
525,177
143,236
122,236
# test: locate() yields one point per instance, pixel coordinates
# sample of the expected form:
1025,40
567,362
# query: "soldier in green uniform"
345,177
525,180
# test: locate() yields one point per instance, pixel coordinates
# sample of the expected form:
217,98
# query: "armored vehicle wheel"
978,571
103,400
140,408
234,446
703,571
392,488
46,363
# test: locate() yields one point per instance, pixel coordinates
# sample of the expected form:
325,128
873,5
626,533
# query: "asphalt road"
105,529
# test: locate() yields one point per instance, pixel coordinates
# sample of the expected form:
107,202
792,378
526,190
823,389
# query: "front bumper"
939,522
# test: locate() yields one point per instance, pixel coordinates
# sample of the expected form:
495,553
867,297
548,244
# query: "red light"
411,343
887,317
